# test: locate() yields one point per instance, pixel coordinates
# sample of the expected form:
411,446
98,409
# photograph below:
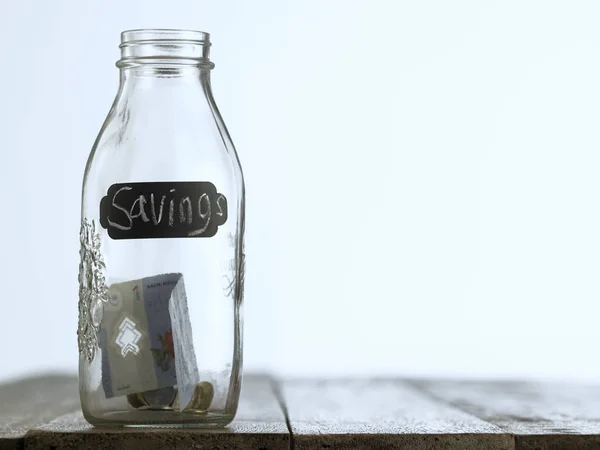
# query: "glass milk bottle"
161,276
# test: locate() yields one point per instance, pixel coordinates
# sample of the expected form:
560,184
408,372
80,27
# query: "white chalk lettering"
220,198
182,212
203,215
141,202
171,209
193,209
120,208
156,221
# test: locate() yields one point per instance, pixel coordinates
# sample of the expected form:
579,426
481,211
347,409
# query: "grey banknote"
146,338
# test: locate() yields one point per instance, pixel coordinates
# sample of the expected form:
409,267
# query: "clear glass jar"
162,245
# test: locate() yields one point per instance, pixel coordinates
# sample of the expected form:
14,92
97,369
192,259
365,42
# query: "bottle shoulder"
129,145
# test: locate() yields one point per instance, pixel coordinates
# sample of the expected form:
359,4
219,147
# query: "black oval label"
162,210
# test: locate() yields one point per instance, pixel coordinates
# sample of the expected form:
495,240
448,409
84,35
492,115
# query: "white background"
422,178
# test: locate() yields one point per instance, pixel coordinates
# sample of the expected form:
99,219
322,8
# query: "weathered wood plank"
548,416
381,414
30,402
259,424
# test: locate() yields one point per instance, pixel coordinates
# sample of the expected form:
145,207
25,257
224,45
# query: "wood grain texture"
355,414
30,402
544,416
44,413
259,424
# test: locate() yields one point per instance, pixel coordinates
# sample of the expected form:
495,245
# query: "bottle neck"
157,86
163,72
160,74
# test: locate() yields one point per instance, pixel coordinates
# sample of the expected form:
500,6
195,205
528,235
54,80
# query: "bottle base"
160,419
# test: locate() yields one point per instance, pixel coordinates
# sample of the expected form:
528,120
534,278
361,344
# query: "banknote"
146,338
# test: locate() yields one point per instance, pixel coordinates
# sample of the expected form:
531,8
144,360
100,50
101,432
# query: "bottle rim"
170,47
160,35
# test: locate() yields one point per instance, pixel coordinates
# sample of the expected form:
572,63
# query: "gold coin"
202,397
160,397
175,404
155,408
136,400
195,411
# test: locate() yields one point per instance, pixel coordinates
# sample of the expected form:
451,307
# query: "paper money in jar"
146,342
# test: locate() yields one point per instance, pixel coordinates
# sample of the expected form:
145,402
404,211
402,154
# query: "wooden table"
43,413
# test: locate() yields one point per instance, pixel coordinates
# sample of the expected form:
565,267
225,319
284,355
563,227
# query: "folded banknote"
146,338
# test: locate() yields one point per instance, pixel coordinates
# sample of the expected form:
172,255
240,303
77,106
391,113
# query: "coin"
159,398
195,411
156,408
175,404
202,397
136,400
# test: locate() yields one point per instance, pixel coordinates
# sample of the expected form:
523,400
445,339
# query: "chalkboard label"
162,210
